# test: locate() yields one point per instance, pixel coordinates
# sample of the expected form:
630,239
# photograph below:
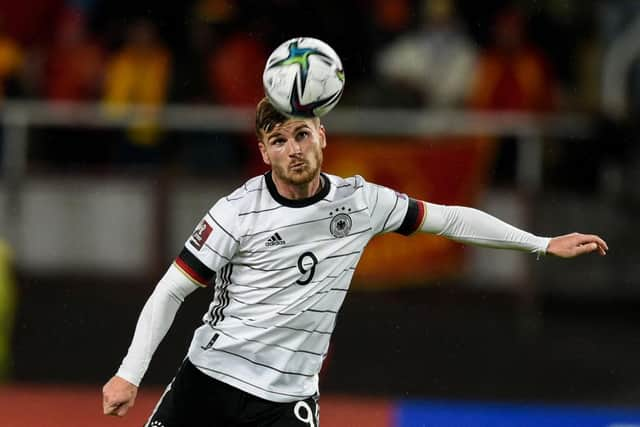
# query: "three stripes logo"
275,240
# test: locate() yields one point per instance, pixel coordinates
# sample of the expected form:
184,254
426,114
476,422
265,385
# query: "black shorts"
195,399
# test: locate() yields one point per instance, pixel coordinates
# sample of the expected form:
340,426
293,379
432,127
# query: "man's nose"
293,146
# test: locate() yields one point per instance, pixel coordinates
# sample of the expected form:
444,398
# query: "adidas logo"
275,240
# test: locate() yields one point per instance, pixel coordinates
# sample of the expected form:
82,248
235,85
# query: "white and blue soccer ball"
303,77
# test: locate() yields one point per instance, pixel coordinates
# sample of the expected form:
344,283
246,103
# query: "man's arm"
472,226
120,391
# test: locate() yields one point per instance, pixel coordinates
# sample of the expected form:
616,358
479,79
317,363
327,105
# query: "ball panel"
328,105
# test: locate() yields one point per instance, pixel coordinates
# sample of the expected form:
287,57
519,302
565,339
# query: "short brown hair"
268,117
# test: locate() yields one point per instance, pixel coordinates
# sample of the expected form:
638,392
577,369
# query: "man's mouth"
296,165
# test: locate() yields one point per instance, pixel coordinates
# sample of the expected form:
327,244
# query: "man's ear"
263,152
323,136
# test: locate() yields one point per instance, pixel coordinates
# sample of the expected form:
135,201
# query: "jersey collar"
298,203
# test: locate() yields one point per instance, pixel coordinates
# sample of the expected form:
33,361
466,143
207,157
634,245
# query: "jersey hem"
249,388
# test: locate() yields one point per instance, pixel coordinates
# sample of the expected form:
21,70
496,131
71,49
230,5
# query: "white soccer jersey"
282,269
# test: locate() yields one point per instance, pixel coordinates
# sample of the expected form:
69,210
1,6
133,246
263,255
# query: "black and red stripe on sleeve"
194,268
413,219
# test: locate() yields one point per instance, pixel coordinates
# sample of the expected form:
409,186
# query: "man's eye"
278,141
303,134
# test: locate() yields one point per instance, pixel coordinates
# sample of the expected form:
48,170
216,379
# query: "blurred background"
123,122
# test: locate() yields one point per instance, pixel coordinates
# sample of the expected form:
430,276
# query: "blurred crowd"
501,54
497,55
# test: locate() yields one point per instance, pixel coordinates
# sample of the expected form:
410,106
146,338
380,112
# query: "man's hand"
574,244
118,395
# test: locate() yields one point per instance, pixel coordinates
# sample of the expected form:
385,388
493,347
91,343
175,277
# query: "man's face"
293,149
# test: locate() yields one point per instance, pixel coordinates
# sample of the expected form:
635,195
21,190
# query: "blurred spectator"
214,11
11,64
236,80
31,22
619,24
391,16
11,68
205,28
236,70
206,152
558,28
70,69
588,71
512,74
190,75
436,61
620,27
7,308
138,74
74,66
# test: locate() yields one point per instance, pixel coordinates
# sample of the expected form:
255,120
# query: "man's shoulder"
251,188
342,182
244,195
348,186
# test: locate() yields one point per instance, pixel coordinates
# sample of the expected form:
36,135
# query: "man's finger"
590,247
112,408
601,246
601,242
578,250
586,238
122,410
602,249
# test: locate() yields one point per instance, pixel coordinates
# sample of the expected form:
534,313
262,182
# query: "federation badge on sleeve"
200,235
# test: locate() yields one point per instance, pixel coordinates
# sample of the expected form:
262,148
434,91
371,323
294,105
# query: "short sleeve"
212,244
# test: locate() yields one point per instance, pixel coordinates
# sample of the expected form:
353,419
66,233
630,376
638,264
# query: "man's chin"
298,177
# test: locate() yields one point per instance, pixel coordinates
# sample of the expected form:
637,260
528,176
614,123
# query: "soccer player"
281,251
